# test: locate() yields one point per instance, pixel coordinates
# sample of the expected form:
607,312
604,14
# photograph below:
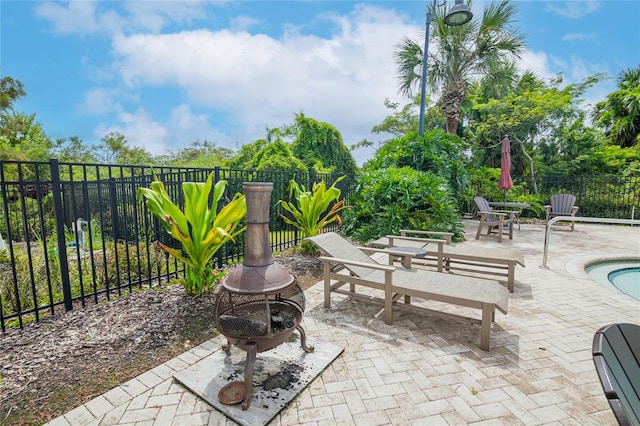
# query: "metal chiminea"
260,304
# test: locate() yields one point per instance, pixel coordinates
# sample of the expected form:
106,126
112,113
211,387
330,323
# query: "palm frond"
409,58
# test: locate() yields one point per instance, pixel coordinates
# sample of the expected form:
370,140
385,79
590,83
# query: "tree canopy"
315,146
115,149
533,116
320,146
22,137
198,154
619,114
10,91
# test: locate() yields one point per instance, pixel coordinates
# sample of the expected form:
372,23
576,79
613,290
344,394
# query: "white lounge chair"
455,258
394,282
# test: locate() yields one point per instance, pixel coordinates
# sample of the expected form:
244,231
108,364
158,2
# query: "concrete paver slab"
208,376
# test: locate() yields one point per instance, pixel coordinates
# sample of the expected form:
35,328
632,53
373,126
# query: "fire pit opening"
241,316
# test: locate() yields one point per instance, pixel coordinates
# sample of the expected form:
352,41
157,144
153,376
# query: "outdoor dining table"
511,206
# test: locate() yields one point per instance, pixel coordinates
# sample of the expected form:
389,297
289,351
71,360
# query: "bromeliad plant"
308,212
200,229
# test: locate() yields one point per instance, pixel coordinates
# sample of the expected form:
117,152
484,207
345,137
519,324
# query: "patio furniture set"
502,221
346,263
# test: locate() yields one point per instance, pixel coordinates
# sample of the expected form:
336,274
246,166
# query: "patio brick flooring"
427,370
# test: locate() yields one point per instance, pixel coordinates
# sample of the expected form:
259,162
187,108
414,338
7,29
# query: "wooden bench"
616,355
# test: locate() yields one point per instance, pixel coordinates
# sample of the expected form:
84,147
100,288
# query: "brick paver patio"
427,370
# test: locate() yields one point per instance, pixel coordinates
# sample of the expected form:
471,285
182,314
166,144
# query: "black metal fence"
78,233
605,196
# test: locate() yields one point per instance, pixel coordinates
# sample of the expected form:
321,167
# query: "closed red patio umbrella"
505,182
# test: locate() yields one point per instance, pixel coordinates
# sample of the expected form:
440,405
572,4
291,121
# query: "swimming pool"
623,275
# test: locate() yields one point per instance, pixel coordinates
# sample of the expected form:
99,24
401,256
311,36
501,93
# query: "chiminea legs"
303,340
251,348
249,363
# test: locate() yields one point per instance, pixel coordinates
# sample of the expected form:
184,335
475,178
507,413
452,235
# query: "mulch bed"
52,366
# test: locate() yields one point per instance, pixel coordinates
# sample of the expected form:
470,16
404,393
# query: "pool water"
624,275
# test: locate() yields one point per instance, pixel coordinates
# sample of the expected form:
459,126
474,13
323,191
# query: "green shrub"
89,271
142,264
388,200
435,152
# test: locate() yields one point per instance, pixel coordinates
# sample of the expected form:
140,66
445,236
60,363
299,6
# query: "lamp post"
458,15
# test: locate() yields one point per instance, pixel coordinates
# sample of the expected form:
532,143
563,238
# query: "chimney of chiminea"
259,273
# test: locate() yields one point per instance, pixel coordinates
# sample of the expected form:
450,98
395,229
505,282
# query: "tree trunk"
534,185
452,97
452,125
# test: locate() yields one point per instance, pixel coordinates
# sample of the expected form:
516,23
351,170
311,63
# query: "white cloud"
573,9
187,127
99,101
538,62
574,68
257,81
77,17
573,71
242,23
140,130
155,15
579,36
88,17
579,68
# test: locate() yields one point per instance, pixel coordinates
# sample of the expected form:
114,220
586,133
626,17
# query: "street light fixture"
458,15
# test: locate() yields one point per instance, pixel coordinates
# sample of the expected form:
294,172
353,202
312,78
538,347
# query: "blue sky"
167,73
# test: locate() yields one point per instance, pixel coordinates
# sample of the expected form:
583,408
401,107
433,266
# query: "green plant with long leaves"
200,229
313,210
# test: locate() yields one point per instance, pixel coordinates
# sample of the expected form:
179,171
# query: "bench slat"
616,360
627,361
623,387
631,333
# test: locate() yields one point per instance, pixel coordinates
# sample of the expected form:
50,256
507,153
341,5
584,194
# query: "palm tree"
484,47
10,91
619,114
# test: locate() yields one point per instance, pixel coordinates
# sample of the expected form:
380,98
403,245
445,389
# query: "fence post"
59,216
580,190
296,178
113,206
216,179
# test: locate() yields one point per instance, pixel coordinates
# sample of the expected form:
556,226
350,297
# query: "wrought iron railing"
603,196
78,233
